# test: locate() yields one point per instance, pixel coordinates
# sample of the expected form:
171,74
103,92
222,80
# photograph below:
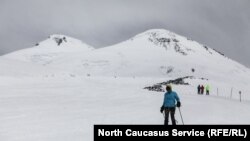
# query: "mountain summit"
153,53
173,41
51,49
161,53
57,40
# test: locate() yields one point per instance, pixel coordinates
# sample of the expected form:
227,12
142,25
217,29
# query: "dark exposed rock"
179,50
64,39
179,81
207,49
219,52
175,40
166,42
59,40
163,40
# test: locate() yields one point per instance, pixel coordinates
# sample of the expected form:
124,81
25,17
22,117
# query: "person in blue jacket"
169,104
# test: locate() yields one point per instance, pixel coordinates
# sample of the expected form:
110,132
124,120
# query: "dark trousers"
170,111
207,92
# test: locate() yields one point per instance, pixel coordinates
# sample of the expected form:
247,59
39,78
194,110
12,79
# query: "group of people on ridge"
201,89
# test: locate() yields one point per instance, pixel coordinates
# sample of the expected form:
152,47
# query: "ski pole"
181,115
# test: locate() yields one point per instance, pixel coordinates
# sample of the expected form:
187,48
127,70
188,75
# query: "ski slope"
54,109
60,88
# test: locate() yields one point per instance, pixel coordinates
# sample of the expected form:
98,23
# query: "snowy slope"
163,53
59,89
34,61
65,110
45,52
154,53
12,69
160,53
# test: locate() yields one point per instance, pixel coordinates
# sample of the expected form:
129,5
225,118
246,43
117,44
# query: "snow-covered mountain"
162,53
34,61
153,53
60,88
55,47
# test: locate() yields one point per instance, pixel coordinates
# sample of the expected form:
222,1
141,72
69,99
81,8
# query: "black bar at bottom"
160,132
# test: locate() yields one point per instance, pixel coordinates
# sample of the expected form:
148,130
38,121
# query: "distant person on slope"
199,89
168,106
207,89
202,89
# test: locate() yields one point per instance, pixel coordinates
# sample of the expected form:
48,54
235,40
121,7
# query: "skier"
207,89
169,105
199,89
202,89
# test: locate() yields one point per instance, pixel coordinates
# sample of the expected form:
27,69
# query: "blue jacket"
170,98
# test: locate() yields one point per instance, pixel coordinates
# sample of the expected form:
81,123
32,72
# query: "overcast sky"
220,24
